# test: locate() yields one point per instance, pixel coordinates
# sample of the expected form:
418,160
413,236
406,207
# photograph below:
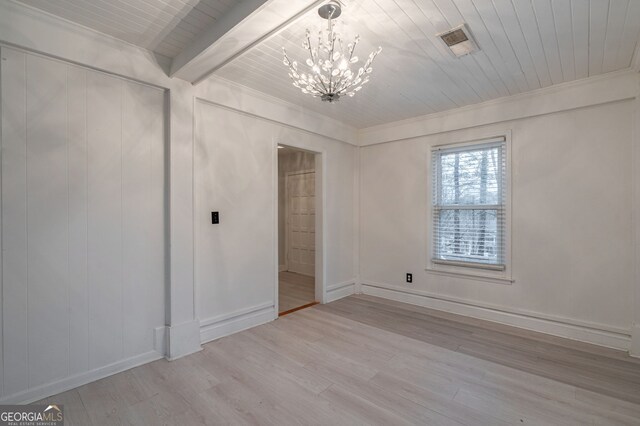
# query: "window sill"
471,276
472,265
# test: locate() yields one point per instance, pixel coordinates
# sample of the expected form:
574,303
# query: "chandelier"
329,74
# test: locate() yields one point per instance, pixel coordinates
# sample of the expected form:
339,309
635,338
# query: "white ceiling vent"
459,40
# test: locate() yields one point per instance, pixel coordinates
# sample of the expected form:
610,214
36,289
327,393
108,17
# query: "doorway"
297,223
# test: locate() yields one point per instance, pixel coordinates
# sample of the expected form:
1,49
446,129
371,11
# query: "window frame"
472,270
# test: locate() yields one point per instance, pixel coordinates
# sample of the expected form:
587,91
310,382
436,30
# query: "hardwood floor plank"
365,360
435,401
294,290
590,367
369,413
206,405
605,404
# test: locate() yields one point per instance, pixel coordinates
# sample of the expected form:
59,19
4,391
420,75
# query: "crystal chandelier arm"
353,47
316,61
326,89
313,59
332,39
317,87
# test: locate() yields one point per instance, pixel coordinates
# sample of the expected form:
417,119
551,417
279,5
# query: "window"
469,204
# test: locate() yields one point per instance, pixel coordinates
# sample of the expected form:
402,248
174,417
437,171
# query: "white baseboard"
62,385
340,290
161,339
224,325
358,286
634,350
183,339
570,331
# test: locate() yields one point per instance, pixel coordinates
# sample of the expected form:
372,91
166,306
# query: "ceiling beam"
248,23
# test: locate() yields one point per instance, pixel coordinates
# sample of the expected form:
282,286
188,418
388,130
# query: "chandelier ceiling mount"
331,10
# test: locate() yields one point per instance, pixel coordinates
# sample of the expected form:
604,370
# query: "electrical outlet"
215,218
409,277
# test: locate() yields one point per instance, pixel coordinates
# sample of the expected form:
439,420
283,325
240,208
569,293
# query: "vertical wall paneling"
14,221
47,220
104,138
83,222
142,210
78,193
135,201
159,210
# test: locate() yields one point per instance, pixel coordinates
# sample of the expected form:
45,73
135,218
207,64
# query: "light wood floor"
363,360
294,290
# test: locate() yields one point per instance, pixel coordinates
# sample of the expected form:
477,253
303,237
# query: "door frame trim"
321,213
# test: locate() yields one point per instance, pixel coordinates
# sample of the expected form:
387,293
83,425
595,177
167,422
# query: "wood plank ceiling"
525,45
162,26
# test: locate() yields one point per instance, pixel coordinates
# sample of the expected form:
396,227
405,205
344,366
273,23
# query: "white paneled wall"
570,235
235,173
83,220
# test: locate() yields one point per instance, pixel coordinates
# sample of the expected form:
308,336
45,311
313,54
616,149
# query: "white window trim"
478,272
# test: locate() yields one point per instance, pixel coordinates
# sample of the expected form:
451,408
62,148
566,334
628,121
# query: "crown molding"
604,88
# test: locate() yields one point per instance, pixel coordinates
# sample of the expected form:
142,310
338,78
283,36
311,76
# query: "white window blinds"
469,204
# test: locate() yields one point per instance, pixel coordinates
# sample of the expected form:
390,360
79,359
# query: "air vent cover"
459,40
